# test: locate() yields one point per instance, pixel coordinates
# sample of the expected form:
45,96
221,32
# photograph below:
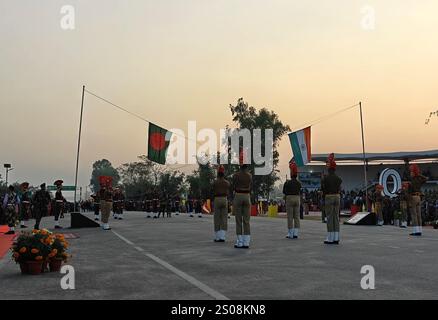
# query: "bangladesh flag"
158,144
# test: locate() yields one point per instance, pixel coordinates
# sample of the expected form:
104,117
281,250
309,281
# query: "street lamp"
8,168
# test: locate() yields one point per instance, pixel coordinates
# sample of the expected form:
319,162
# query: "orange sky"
179,60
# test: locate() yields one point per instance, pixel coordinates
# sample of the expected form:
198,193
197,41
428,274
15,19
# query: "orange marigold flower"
38,258
34,251
55,251
51,255
23,250
16,255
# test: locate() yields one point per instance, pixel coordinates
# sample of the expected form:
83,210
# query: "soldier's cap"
221,169
379,187
43,185
58,182
11,188
293,168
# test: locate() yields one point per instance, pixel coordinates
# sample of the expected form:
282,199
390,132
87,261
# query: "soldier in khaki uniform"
106,201
242,181
404,196
221,189
417,181
378,204
331,186
292,190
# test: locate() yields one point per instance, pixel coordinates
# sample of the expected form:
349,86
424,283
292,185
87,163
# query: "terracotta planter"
34,267
55,265
24,268
45,267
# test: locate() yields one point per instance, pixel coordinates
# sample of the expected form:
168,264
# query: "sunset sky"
171,61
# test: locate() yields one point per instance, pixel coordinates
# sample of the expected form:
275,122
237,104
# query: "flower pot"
34,267
24,268
45,267
55,265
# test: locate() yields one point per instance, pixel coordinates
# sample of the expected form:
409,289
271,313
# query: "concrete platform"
175,258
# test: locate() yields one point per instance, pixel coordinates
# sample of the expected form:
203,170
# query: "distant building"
351,169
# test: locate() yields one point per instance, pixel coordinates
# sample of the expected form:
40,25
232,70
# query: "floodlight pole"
79,147
364,156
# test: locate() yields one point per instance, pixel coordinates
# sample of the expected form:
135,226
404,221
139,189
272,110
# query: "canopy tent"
371,157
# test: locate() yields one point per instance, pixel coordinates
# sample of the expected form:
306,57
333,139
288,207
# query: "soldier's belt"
26,202
59,201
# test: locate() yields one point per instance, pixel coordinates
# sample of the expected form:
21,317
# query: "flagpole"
364,154
79,147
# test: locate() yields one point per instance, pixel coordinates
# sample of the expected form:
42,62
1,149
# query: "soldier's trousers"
24,212
242,212
11,216
415,209
293,211
105,209
96,209
332,205
404,211
379,211
220,214
58,210
39,213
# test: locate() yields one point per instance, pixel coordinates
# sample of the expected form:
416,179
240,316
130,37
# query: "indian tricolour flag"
301,146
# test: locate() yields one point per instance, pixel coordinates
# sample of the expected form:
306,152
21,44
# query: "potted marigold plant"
31,250
58,253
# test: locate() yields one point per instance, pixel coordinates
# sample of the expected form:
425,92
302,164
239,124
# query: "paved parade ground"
176,258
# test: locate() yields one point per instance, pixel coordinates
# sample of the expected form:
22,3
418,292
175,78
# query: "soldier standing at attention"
417,181
242,181
331,186
96,205
292,190
11,202
25,201
404,196
41,201
106,201
59,202
221,189
378,204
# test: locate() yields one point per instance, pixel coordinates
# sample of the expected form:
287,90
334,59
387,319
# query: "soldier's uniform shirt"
292,190
221,189
331,186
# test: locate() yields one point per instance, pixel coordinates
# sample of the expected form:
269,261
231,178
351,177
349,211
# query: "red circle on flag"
157,141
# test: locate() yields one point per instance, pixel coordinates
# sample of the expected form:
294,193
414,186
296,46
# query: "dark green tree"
103,168
250,118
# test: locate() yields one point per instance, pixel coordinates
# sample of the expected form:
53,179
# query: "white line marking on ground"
123,238
188,278
211,292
